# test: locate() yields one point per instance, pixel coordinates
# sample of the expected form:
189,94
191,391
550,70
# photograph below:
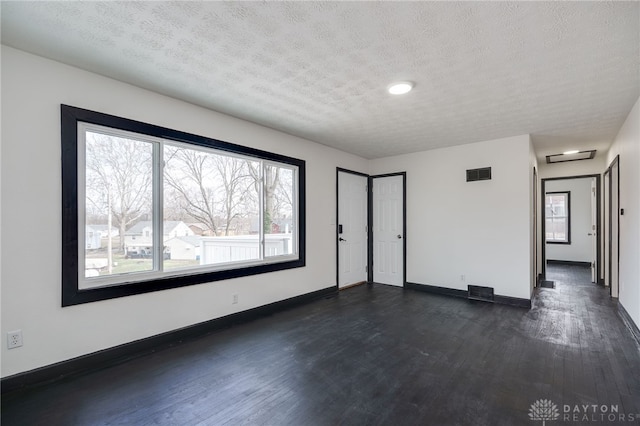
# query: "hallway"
599,359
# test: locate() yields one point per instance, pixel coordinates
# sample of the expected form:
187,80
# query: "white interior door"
388,230
593,232
352,229
615,211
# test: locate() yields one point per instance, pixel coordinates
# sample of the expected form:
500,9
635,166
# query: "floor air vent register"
484,294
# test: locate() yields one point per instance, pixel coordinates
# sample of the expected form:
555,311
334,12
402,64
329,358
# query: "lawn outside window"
147,208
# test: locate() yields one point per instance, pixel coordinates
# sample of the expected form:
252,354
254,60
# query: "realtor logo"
543,409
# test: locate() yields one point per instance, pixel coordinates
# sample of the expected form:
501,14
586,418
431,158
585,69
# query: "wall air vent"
480,293
479,174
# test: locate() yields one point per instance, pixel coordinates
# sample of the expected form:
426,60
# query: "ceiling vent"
479,174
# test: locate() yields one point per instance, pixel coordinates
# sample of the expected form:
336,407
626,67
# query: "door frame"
606,228
536,275
368,220
404,224
543,222
609,248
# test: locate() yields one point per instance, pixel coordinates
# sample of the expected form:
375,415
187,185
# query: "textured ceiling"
568,73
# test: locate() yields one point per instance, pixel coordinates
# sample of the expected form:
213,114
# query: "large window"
147,208
557,217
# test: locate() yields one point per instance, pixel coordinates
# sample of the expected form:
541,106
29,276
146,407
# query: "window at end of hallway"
557,217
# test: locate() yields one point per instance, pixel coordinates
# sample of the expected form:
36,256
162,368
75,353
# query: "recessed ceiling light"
573,155
400,87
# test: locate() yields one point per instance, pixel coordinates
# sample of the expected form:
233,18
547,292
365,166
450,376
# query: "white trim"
82,211
157,207
116,279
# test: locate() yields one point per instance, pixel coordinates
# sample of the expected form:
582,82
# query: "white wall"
580,210
477,229
627,146
32,90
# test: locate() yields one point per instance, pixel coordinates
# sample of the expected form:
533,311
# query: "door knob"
589,234
341,239
399,236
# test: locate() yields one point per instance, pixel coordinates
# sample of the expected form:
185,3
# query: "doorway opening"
370,228
571,233
612,227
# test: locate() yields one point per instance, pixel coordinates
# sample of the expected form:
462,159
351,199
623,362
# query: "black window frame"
568,207
71,293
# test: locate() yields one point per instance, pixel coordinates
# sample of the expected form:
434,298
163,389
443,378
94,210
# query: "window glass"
219,196
118,200
279,219
557,217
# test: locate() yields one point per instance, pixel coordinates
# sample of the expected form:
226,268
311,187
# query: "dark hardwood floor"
372,355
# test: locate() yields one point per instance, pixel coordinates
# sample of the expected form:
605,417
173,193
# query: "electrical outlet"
14,339
462,277
235,299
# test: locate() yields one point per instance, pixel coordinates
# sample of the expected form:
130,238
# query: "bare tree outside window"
123,168
271,180
118,191
279,235
214,190
283,196
218,191
236,188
